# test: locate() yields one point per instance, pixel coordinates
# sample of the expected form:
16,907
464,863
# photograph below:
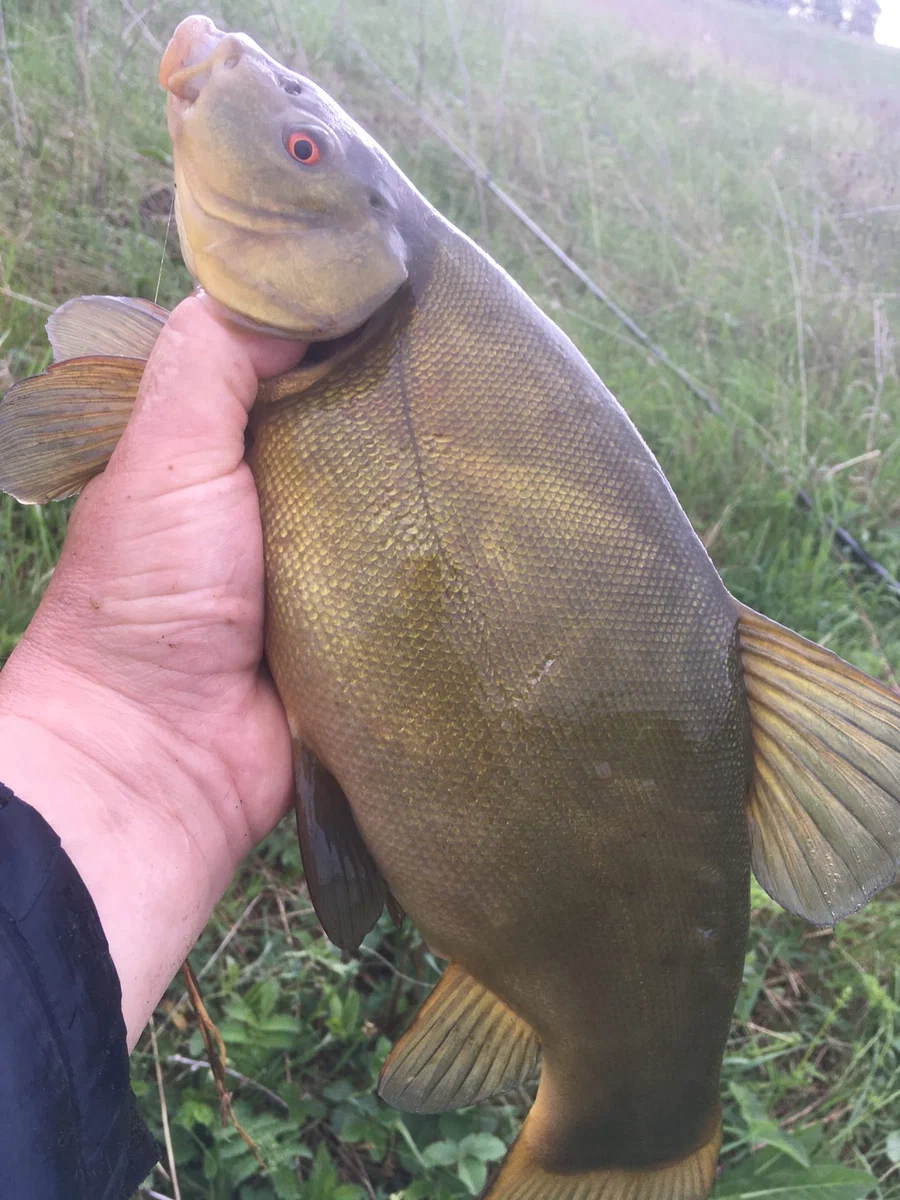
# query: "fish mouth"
195,48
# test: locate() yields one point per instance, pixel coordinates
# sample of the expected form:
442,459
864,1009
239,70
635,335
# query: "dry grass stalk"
473,144
13,98
23,299
798,317
216,1053
164,1112
220,949
198,1064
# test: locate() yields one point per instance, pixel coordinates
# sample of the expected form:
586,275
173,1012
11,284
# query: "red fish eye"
304,148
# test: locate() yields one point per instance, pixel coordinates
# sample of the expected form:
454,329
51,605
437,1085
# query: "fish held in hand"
524,706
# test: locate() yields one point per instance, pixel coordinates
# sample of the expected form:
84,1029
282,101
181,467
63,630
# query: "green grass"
705,173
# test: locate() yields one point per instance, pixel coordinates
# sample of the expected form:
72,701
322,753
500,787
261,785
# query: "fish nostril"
229,54
185,86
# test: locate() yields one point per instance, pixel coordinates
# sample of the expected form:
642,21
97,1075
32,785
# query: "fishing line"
162,259
840,535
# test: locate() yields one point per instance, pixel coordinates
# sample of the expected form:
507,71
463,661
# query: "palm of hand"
159,594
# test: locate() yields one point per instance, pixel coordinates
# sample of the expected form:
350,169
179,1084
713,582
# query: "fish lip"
193,43
189,57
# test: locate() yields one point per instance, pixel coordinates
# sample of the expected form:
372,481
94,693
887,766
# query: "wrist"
132,804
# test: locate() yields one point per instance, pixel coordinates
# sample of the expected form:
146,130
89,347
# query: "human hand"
134,715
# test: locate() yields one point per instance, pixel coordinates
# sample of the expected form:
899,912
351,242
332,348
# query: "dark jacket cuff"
69,1125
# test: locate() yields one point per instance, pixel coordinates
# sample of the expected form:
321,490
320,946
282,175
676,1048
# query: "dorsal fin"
101,326
59,429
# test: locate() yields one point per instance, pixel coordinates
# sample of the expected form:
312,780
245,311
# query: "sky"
887,31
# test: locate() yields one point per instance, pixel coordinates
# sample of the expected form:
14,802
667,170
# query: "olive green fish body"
494,624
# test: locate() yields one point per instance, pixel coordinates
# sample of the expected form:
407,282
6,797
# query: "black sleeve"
69,1125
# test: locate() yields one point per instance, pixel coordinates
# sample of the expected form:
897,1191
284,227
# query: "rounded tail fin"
690,1178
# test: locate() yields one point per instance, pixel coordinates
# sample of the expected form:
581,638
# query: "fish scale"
522,541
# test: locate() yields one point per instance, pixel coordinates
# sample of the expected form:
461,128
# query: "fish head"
288,212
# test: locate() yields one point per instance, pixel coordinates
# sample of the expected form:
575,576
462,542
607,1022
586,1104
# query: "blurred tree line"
856,16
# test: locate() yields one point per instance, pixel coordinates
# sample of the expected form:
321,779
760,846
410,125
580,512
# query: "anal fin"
824,804
464,1046
345,886
59,429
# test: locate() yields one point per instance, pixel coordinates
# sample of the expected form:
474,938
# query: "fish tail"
523,1177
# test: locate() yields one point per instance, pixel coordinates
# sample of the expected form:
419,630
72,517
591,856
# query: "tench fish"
524,707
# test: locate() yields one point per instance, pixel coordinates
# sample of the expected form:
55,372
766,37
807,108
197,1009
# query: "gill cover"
288,212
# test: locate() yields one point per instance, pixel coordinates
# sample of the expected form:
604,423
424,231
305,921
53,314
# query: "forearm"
130,803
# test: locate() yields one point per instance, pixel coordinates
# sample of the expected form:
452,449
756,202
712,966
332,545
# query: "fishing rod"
842,536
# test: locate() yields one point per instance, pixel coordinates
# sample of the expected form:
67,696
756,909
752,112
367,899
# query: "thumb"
198,387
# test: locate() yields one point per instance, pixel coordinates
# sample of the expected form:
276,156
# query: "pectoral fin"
345,885
59,429
824,805
105,325
464,1046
